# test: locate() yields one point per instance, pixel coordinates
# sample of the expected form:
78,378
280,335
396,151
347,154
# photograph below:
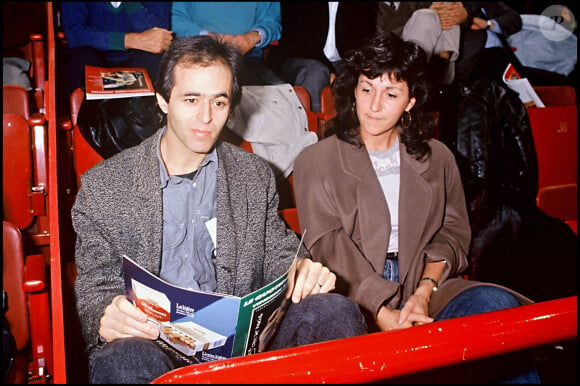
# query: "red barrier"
58,370
384,355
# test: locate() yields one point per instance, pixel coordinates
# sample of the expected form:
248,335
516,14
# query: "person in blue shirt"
250,26
114,34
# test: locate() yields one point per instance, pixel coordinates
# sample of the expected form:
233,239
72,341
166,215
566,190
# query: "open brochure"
118,82
207,326
522,86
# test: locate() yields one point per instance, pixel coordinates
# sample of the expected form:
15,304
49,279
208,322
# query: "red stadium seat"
554,129
84,155
16,171
290,217
24,175
15,100
28,312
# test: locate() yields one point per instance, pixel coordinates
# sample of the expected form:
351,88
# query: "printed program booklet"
522,86
207,326
117,82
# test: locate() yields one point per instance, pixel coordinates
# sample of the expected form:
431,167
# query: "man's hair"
200,50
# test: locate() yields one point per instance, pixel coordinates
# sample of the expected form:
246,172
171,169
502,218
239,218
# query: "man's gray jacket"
118,211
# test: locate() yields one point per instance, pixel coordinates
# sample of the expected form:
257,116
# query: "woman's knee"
475,300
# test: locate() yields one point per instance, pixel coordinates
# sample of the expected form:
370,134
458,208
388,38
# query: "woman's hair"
200,50
385,53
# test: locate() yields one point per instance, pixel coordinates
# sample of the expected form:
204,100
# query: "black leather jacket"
494,143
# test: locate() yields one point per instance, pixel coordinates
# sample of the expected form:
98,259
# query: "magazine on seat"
117,82
208,326
522,86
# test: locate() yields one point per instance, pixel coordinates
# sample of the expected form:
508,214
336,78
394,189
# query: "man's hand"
450,13
154,40
123,320
479,23
243,42
310,278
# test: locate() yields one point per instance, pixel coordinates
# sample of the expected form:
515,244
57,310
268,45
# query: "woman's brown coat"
344,213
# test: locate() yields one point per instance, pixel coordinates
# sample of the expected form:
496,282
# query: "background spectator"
435,26
250,26
114,34
316,36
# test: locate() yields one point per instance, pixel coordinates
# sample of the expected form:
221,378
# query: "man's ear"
161,102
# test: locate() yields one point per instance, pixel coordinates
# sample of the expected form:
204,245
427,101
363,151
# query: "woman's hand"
123,320
414,312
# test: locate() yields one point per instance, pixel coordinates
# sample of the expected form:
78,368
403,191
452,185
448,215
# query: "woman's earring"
406,126
354,107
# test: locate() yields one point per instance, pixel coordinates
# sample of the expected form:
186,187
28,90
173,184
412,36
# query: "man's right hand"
154,40
123,320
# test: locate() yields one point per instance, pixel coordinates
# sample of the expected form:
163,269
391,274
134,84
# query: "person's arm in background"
450,13
149,22
266,29
505,19
153,19
182,21
268,22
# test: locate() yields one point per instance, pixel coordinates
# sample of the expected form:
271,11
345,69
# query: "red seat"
557,95
84,155
311,116
554,129
28,312
15,100
16,171
327,110
33,52
290,217
555,137
24,175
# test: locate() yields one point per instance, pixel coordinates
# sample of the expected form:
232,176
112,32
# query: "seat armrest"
34,274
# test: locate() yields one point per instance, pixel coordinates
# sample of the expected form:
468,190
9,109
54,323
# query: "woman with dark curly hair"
383,203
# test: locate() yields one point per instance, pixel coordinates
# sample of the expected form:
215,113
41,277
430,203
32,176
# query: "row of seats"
26,226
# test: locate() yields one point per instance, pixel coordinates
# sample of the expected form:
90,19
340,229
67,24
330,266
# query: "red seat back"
559,201
84,155
554,130
12,282
15,100
16,171
290,217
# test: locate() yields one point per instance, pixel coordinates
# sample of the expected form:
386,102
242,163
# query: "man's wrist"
260,38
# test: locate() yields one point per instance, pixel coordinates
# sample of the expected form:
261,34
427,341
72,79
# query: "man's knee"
130,360
425,17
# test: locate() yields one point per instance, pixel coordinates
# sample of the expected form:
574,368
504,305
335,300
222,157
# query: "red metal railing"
58,374
379,356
